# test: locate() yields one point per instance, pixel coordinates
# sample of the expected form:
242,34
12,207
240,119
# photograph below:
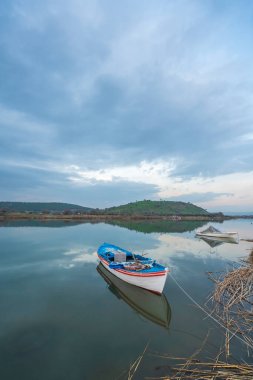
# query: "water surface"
61,318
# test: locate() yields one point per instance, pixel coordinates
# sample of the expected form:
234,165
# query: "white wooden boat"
212,233
133,268
151,306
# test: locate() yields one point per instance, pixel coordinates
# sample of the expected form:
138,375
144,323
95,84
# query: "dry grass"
250,258
235,287
192,369
134,366
233,302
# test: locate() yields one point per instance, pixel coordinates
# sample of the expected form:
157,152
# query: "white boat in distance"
133,268
214,234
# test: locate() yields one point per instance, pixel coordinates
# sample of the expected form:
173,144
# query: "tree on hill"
147,207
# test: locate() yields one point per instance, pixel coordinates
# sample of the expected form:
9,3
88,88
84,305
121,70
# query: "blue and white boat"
133,268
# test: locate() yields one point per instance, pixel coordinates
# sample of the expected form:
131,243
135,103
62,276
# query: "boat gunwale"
134,273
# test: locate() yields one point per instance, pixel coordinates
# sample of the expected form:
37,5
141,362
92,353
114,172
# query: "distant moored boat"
212,233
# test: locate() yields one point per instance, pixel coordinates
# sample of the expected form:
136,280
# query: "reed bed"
250,258
235,287
233,302
194,369
232,307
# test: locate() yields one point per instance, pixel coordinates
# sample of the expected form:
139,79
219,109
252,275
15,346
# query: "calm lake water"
61,317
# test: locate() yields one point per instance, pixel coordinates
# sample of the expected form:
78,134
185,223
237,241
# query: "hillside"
147,207
42,207
138,208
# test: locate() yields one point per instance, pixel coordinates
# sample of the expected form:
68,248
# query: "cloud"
46,182
113,90
145,172
232,190
199,197
247,138
77,256
24,136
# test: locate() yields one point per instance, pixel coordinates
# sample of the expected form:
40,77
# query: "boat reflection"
149,305
215,242
212,243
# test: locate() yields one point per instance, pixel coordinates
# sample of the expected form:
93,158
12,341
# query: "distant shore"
105,217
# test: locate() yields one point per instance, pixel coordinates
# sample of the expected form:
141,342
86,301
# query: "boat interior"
123,259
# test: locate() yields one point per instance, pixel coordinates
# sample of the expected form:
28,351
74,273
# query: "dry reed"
194,369
233,307
233,302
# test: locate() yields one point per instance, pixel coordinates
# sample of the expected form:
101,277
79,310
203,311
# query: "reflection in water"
40,223
29,338
159,226
151,306
50,318
146,226
214,242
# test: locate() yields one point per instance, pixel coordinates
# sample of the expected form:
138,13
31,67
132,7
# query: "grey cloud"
34,187
199,197
23,183
108,194
119,83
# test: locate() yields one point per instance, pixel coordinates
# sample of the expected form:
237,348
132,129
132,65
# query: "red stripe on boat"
141,274
104,261
138,274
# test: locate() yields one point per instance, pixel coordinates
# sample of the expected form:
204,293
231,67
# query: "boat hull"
153,282
226,236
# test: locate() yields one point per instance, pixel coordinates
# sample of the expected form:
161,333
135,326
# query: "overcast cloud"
105,102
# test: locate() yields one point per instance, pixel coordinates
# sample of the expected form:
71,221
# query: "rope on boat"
208,314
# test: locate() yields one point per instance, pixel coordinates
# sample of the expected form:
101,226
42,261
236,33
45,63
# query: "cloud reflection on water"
80,255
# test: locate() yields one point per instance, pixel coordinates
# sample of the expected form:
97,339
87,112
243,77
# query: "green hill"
147,207
140,208
42,207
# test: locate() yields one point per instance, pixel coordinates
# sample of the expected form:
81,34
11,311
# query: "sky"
108,102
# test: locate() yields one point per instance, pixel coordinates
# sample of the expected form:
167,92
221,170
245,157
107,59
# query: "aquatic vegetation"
233,302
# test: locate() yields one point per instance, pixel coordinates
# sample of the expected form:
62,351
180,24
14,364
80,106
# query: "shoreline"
106,217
